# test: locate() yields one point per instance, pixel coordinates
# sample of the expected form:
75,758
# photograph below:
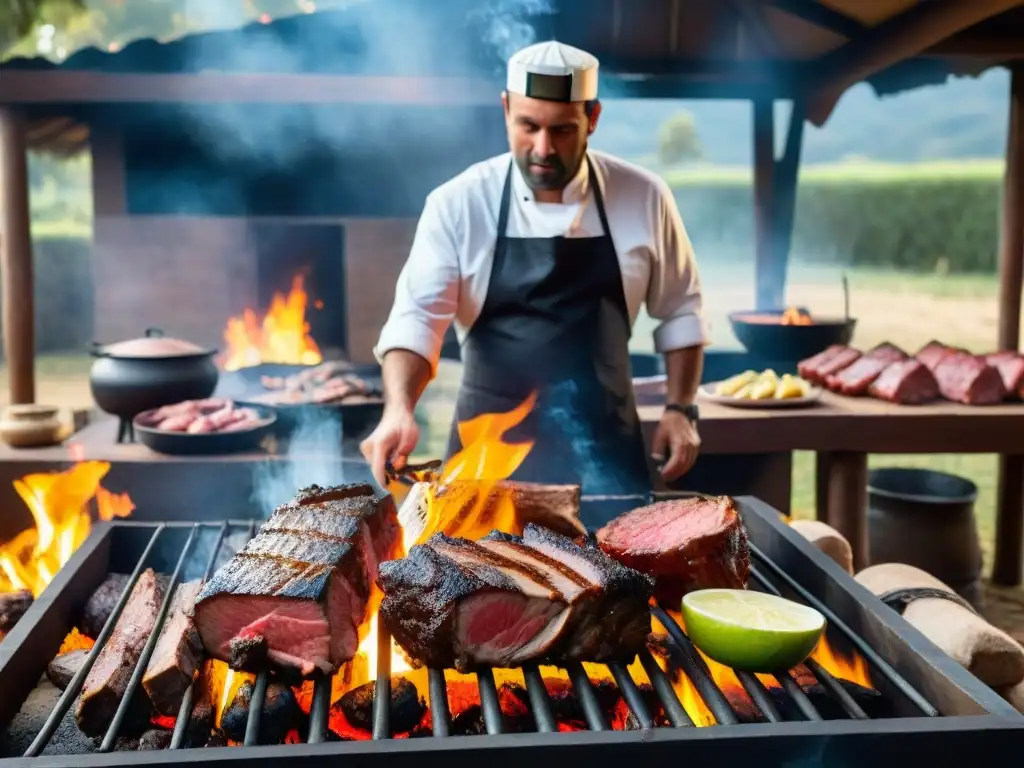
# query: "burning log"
407,707
13,606
472,508
65,666
280,711
101,604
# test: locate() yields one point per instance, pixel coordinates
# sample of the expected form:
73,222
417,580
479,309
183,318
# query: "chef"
542,258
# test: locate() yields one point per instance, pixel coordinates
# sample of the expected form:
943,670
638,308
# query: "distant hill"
965,118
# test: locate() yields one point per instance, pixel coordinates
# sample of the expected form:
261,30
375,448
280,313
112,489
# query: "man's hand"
393,440
676,438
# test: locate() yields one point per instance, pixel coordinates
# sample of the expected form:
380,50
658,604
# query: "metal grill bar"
836,690
140,667
674,709
540,704
694,667
634,700
259,697
187,701
440,716
797,694
858,642
320,710
75,686
759,695
382,688
587,698
490,706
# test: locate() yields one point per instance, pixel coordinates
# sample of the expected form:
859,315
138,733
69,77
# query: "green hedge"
913,221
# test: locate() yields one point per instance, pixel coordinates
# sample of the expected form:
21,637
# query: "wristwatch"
690,411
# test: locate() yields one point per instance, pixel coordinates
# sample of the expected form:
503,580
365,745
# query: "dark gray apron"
555,321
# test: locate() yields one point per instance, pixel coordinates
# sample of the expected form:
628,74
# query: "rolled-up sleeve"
674,294
427,292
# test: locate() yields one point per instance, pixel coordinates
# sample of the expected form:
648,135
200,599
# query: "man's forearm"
405,375
683,369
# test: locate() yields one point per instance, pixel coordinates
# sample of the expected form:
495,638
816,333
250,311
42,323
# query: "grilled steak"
503,602
1011,368
808,369
907,382
297,594
964,378
855,379
685,544
108,679
177,654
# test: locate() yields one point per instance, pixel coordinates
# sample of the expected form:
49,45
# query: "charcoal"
125,744
67,739
216,739
280,713
200,724
407,708
469,722
101,604
154,739
248,653
871,701
13,606
63,668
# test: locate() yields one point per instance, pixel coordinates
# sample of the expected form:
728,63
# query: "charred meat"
177,654
509,600
298,592
685,544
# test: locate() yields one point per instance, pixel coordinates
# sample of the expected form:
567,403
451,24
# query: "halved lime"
751,631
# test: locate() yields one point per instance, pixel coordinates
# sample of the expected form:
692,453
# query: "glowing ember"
281,336
794,316
59,503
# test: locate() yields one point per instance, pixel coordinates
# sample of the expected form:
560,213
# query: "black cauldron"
130,377
763,333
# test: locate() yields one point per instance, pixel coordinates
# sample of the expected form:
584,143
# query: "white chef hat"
553,71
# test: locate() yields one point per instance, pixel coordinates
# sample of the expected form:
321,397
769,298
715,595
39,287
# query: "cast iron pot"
762,334
134,376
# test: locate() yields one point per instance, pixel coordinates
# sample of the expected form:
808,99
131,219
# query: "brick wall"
188,275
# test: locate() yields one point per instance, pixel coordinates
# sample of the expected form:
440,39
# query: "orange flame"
794,316
59,503
282,336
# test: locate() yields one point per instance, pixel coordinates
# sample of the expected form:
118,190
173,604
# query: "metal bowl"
206,443
762,333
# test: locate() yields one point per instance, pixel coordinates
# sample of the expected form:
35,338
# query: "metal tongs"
410,474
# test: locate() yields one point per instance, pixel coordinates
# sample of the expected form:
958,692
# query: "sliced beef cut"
621,619
964,378
685,544
1011,368
855,379
843,360
500,602
934,352
107,681
906,382
177,654
808,369
298,593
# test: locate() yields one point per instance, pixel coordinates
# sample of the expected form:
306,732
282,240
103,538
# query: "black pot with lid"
151,371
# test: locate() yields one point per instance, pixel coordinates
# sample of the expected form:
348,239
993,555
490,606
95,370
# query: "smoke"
508,24
313,458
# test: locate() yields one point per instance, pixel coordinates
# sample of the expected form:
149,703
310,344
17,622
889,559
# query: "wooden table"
842,431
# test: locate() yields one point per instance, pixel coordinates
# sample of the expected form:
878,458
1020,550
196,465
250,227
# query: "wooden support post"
821,474
848,502
1009,543
16,257
764,171
787,172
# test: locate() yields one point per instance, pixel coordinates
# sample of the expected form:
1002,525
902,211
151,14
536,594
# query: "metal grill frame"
952,710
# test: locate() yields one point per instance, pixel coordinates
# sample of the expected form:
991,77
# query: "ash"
67,739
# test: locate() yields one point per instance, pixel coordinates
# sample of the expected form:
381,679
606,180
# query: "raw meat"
808,369
685,544
201,417
1011,368
907,382
177,654
934,352
504,601
964,378
834,365
855,379
108,679
298,593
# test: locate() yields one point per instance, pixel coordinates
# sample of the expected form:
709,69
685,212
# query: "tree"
19,17
678,140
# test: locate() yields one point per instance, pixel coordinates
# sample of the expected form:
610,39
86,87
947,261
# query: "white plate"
707,391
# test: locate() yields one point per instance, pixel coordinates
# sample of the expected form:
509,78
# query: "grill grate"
683,657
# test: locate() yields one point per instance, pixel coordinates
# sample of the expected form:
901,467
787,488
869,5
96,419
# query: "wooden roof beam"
892,41
821,16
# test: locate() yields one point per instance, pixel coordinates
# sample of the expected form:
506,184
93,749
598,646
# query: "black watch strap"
690,411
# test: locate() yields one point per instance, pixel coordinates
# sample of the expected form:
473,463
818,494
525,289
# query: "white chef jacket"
446,276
